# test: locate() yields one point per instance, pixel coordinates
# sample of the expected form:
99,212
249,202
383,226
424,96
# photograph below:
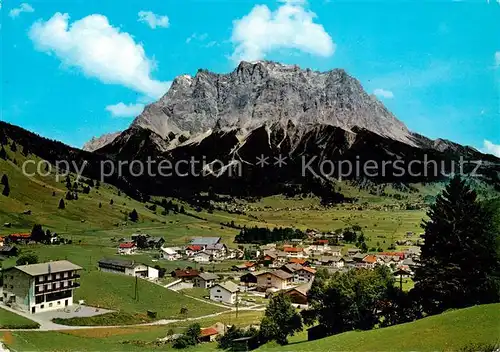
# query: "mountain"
99,142
268,92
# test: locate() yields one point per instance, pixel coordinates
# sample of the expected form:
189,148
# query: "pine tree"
5,180
133,216
69,196
100,205
62,205
6,190
111,202
13,147
3,153
460,265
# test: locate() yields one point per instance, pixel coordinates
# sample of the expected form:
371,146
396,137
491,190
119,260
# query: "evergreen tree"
3,153
37,233
280,320
6,190
5,180
111,202
460,264
100,205
62,205
133,216
13,147
69,196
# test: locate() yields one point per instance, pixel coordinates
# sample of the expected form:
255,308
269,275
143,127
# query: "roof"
20,235
118,262
208,276
354,250
6,248
370,259
216,246
292,267
293,249
359,256
48,268
299,261
281,274
194,248
321,242
302,289
127,245
168,250
205,241
186,273
209,332
228,286
311,270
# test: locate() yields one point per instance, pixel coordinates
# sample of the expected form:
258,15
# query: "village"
251,273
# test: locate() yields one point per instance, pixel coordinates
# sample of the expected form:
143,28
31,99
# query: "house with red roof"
193,249
208,334
127,248
369,261
19,238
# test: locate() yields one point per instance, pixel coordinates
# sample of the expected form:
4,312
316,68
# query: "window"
42,306
50,305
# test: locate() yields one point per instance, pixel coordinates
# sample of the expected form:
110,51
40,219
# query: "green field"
449,331
117,292
116,339
9,320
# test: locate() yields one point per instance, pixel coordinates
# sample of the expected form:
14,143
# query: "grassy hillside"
9,320
449,331
116,339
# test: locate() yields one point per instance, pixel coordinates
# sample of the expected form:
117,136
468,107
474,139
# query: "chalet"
208,335
170,253
333,261
19,238
291,268
294,252
300,261
277,279
8,251
369,261
203,242
205,280
155,242
335,251
192,249
249,279
250,266
351,252
127,267
358,257
186,274
225,292
298,295
127,248
202,257
303,275
41,287
218,250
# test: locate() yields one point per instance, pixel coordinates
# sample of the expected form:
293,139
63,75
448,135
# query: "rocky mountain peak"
266,92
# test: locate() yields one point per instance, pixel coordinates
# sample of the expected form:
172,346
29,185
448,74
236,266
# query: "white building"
128,267
225,292
205,280
40,287
127,248
170,253
202,257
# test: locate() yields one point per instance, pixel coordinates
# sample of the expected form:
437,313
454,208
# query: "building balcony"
69,277
60,288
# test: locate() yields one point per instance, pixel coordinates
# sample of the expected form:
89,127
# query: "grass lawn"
9,320
449,331
196,292
116,339
117,292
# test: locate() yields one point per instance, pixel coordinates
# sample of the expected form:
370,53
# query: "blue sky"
76,69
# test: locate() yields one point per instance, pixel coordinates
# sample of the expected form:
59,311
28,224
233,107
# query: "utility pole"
136,289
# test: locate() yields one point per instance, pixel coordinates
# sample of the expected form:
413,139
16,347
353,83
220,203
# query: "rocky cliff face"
269,93
98,142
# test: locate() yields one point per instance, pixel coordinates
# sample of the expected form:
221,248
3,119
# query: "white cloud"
125,110
491,148
196,36
497,57
291,26
153,20
99,50
382,93
24,7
